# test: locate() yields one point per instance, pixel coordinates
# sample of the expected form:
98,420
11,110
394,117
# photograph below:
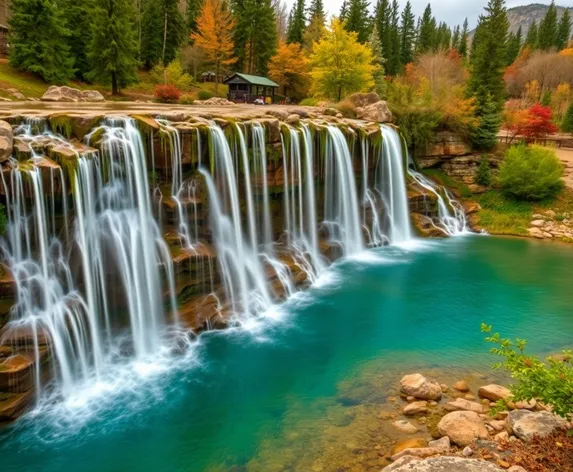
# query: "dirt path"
566,156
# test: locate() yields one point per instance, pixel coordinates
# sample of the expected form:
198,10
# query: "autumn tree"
340,64
539,122
215,35
281,14
560,97
289,68
113,48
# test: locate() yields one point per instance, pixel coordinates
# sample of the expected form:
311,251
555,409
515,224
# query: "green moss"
61,124
445,180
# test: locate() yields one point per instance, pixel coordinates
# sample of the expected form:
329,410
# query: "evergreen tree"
489,57
443,37
463,48
78,21
563,31
39,40
343,11
316,10
255,35
191,13
532,36
567,123
513,46
379,60
407,35
383,22
393,59
357,19
484,136
151,34
546,98
297,23
547,36
113,48
483,176
456,38
427,32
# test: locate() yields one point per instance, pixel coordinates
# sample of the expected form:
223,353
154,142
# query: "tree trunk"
217,68
164,38
114,87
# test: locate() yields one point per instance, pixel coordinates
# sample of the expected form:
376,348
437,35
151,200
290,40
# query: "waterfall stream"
90,238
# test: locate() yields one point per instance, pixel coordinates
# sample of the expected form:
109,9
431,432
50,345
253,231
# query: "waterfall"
451,218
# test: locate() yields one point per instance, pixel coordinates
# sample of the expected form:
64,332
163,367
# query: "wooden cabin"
245,88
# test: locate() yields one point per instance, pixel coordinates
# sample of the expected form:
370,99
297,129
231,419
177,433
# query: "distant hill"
525,15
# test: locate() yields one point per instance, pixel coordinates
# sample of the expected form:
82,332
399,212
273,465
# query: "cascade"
111,265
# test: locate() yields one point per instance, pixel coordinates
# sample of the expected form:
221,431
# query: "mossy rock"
61,123
83,125
146,124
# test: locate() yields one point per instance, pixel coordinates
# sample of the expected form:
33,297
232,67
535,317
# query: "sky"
451,11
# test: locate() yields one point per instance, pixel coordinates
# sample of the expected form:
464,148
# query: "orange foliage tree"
533,123
289,67
214,35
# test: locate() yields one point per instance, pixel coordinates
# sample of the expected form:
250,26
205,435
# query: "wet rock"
447,144
405,427
6,141
377,112
462,427
460,404
445,464
494,392
526,424
414,443
461,386
420,387
416,408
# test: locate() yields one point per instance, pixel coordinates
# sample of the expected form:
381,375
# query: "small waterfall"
451,218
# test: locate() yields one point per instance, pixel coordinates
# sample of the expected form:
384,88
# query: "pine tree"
256,37
383,22
456,38
532,36
563,31
546,98
407,35
343,10
513,46
78,22
463,48
191,13
547,36
443,37
297,23
393,60
316,10
113,48
489,56
39,40
313,33
567,123
484,137
379,60
427,33
357,19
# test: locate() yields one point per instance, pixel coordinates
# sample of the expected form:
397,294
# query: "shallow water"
283,393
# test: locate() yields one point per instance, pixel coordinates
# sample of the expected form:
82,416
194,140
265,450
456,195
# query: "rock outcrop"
418,386
6,141
526,424
462,427
377,112
69,94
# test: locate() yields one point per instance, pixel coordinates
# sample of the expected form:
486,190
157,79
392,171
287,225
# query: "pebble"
468,451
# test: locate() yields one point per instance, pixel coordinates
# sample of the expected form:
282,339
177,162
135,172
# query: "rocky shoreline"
467,433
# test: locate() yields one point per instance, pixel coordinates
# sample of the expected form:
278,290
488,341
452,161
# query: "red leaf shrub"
167,93
538,123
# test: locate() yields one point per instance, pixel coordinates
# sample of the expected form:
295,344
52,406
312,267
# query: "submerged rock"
460,404
462,427
420,387
405,427
526,424
462,386
416,408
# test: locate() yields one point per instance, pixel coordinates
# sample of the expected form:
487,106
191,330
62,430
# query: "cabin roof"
253,80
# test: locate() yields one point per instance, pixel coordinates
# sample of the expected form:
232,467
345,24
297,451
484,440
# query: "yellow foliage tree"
532,93
567,52
340,65
214,35
560,98
289,68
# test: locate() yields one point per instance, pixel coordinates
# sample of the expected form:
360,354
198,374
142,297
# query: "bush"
346,107
167,93
567,123
484,172
531,173
186,99
309,102
205,94
551,382
172,74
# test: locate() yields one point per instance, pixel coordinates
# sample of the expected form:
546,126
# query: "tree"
484,136
255,35
546,98
113,48
357,19
513,46
539,122
463,49
289,68
483,176
559,99
297,23
78,23
39,40
282,16
379,74
488,60
547,36
532,36
393,60
151,34
340,65
313,32
215,35
191,13
427,32
567,123
407,35
563,31
316,11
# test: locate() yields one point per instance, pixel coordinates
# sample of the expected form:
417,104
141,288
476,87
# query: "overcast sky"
451,11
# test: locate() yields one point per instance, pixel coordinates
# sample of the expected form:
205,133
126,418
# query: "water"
289,392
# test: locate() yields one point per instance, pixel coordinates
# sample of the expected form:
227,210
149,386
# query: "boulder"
377,112
293,119
494,392
443,464
538,223
405,427
462,427
462,385
442,444
420,387
93,96
415,408
526,424
280,114
536,233
460,404
6,141
523,405
503,436
300,112
362,100
69,94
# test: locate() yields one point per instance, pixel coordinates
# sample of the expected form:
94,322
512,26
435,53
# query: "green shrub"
484,172
551,382
309,102
173,74
186,99
418,126
346,107
567,123
204,94
531,173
